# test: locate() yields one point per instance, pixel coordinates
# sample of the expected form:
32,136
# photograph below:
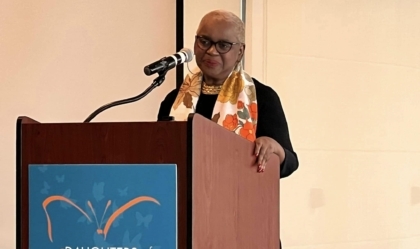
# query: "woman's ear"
241,52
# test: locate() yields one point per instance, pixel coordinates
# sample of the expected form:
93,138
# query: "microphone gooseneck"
161,67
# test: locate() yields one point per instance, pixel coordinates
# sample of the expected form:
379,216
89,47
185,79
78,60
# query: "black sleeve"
166,105
272,123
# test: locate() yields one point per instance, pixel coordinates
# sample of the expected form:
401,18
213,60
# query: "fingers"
261,168
262,155
263,150
262,159
257,149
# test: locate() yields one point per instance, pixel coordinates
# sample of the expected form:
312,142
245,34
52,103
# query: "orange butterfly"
111,219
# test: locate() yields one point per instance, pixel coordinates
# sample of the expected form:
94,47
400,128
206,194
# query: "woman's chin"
211,72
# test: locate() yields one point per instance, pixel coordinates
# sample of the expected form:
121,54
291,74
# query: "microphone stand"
156,82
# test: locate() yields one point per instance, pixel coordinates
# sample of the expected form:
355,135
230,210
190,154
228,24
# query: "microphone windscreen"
189,54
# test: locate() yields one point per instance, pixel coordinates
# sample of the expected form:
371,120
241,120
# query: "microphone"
167,63
161,66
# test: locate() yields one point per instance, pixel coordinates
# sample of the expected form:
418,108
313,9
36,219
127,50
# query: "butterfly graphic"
116,223
59,178
45,189
123,192
67,195
83,217
43,169
135,242
99,240
98,191
100,231
143,220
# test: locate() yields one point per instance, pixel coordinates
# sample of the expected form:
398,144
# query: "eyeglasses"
221,46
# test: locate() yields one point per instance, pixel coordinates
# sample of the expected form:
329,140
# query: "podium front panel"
88,206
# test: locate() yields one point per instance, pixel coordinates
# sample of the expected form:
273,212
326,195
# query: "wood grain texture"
101,143
233,206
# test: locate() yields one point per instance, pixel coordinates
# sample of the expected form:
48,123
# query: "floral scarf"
235,108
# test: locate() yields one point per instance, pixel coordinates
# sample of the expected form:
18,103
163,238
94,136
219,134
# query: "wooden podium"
222,201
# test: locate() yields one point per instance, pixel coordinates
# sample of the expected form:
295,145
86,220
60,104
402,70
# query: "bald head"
229,17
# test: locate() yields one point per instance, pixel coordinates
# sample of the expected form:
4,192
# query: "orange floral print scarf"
235,108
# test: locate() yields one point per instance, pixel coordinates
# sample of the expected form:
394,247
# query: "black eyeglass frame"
215,44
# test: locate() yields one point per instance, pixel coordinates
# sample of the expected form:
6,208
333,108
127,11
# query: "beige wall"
256,39
348,73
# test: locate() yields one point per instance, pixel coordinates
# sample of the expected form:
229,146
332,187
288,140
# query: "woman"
221,91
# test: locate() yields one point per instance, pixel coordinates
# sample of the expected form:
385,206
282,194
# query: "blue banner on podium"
130,206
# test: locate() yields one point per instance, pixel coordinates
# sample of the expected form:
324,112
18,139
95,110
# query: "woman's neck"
212,81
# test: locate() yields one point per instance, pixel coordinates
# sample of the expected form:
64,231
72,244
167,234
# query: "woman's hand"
264,147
